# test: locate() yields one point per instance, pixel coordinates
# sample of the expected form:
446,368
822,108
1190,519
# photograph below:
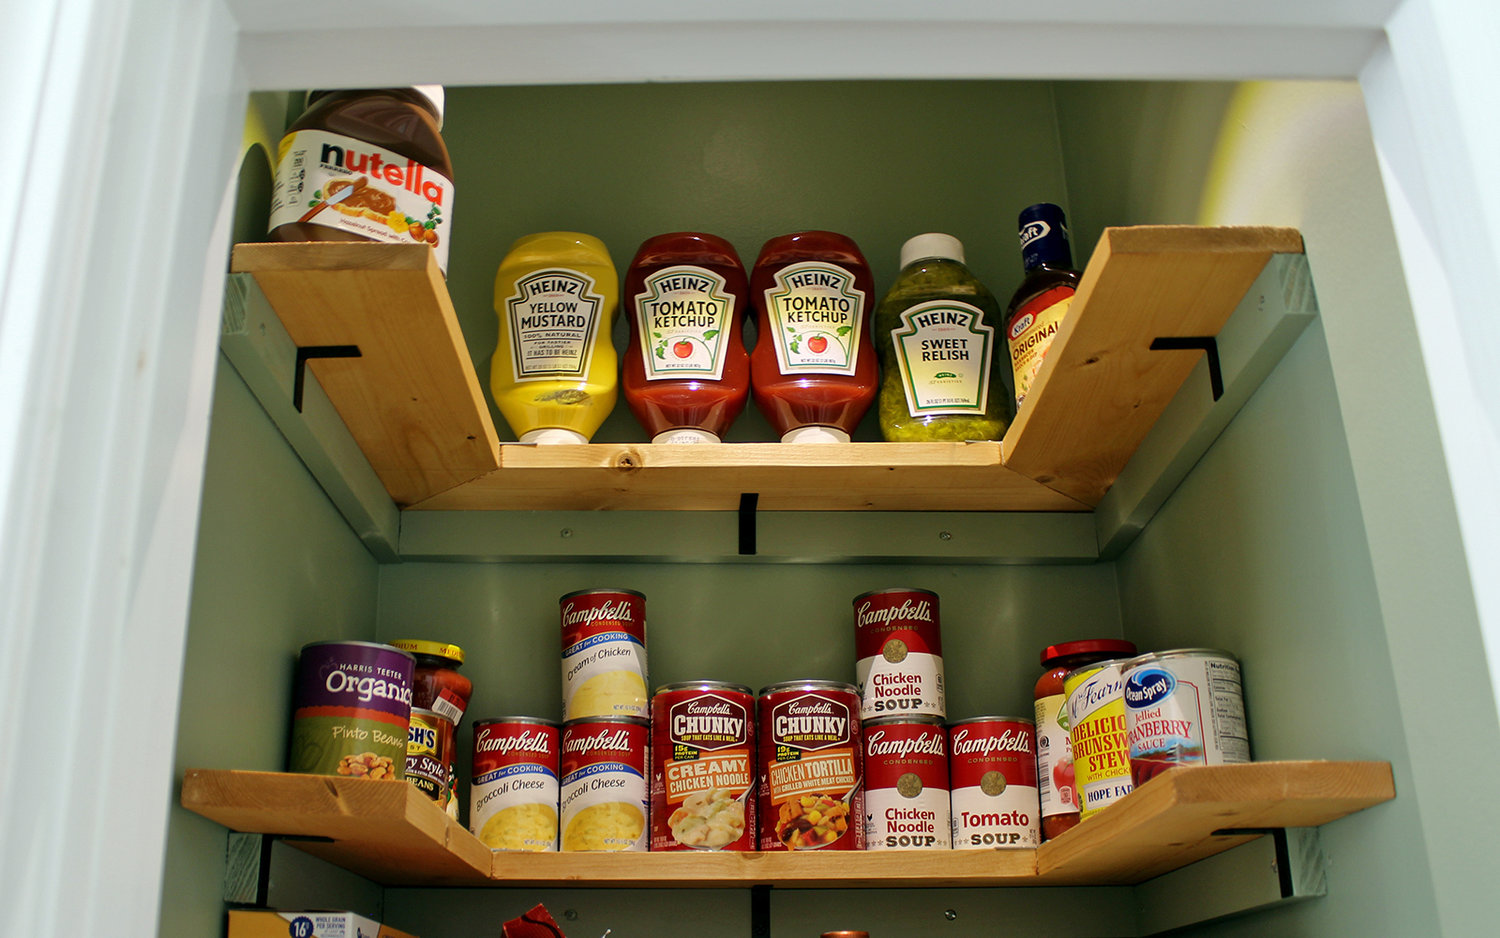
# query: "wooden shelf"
415,407
393,835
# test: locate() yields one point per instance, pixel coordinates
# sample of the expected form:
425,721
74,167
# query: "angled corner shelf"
393,835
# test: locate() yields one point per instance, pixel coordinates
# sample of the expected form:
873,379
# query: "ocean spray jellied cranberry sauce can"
604,794
1183,707
703,767
899,653
513,797
992,768
810,767
604,654
906,784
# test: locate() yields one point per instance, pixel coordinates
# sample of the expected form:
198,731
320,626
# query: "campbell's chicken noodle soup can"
899,653
514,793
1096,731
352,710
906,784
604,797
604,654
1183,707
429,753
993,774
703,767
811,796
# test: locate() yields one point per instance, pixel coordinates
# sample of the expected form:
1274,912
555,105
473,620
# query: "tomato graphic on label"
682,348
1062,777
817,344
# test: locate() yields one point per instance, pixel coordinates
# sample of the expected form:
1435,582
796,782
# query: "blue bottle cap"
1044,237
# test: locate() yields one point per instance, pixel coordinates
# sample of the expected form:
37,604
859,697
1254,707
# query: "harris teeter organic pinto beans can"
513,798
352,710
899,653
604,654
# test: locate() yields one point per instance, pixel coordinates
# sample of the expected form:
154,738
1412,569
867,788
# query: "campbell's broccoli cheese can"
811,767
604,654
604,792
703,767
899,653
352,710
513,798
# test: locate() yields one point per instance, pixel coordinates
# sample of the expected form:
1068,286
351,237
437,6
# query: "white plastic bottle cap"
553,435
931,244
685,435
815,435
433,93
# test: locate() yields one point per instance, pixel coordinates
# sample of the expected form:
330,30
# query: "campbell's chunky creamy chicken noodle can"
1096,730
810,767
513,797
1183,707
604,792
604,654
906,784
703,767
992,771
899,653
352,710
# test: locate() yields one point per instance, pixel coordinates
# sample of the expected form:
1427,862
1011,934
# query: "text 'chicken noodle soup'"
703,767
993,774
906,784
604,654
899,653
604,792
513,798
811,765
352,710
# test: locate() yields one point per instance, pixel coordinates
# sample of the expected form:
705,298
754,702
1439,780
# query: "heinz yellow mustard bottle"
555,375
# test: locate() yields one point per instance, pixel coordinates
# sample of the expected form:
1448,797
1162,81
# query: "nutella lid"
433,93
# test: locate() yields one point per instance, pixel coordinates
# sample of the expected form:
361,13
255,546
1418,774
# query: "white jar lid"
815,435
553,435
433,93
685,435
932,244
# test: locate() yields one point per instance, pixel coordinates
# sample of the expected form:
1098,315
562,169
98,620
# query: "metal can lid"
418,646
808,685
1113,647
895,589
1027,720
539,721
899,718
576,593
639,721
358,644
704,685
1150,656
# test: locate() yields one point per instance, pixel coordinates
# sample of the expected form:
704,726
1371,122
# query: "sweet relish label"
816,315
683,314
944,351
554,315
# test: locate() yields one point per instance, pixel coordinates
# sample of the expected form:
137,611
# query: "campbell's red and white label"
810,767
604,799
604,654
513,798
993,769
906,785
340,182
899,652
703,768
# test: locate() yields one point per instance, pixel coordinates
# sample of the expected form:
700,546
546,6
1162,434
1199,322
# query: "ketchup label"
339,182
1032,329
944,350
816,315
683,315
554,316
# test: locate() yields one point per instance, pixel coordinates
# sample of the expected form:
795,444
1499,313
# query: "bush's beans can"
604,798
1096,730
906,784
811,795
1184,707
513,798
993,771
604,654
352,710
703,767
429,752
899,653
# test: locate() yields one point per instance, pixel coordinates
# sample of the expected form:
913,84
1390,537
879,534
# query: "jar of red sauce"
813,371
1054,752
436,683
686,374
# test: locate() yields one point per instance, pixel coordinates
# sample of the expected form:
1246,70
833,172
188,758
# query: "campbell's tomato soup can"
703,767
1096,730
906,784
429,752
992,768
604,654
604,796
352,710
1183,707
513,796
899,653
811,797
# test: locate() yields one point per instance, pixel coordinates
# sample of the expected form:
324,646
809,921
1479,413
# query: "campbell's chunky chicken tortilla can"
992,766
604,654
703,767
899,653
513,796
605,799
811,767
906,784
352,710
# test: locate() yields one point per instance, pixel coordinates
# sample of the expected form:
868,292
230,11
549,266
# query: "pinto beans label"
1096,729
604,654
810,767
513,799
906,781
993,773
899,651
352,710
703,767
1183,707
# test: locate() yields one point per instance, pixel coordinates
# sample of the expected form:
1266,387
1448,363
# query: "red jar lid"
1112,647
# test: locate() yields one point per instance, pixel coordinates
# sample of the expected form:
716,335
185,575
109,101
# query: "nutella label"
554,316
339,182
944,350
683,315
815,314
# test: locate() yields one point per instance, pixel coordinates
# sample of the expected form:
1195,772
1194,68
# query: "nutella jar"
366,165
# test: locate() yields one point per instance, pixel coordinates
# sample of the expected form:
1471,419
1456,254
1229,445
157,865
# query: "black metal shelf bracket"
748,502
306,353
1210,347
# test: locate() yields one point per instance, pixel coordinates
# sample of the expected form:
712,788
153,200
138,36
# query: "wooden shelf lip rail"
394,835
